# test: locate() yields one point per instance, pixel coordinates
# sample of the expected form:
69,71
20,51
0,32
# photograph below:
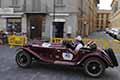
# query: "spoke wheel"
23,59
94,67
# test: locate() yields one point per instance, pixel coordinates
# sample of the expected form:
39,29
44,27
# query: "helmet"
78,38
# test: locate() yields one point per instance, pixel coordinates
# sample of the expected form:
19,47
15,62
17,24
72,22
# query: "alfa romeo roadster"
92,59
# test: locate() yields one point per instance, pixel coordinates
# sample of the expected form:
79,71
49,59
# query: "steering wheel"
68,44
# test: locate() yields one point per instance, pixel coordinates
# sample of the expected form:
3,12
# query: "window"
115,7
14,2
97,26
107,22
14,24
36,5
102,16
107,16
97,22
98,16
59,2
102,22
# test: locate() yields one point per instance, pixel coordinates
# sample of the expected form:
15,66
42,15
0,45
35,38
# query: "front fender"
33,54
29,51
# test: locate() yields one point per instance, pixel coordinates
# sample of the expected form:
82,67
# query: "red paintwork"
53,54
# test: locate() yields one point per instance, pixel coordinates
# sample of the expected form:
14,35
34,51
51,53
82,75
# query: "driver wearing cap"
75,46
78,44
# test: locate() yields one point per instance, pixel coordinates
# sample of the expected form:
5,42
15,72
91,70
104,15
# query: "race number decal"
67,56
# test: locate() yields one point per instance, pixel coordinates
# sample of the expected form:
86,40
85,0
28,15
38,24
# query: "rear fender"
104,59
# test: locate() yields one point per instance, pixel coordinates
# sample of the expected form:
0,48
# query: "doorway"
36,27
58,29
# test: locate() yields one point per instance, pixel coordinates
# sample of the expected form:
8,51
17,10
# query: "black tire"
115,37
112,56
23,59
94,67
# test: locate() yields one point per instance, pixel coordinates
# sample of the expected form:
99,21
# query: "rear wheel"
94,67
23,59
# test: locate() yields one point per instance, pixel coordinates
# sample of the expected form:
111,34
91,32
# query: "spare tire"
93,46
112,56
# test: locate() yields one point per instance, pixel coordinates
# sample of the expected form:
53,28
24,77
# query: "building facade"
27,16
103,21
10,17
87,17
71,17
115,16
49,18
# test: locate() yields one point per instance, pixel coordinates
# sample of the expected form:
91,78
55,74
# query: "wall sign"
6,10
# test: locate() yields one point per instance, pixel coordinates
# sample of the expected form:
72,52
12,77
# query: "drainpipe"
24,8
54,10
54,16
52,27
0,3
81,16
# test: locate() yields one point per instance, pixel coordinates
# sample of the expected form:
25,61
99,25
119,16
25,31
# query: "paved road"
100,35
10,71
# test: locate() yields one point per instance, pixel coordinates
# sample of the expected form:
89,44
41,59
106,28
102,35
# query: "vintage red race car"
92,59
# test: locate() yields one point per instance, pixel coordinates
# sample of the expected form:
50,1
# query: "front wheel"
94,67
23,59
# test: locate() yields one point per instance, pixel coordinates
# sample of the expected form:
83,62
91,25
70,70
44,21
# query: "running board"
64,63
